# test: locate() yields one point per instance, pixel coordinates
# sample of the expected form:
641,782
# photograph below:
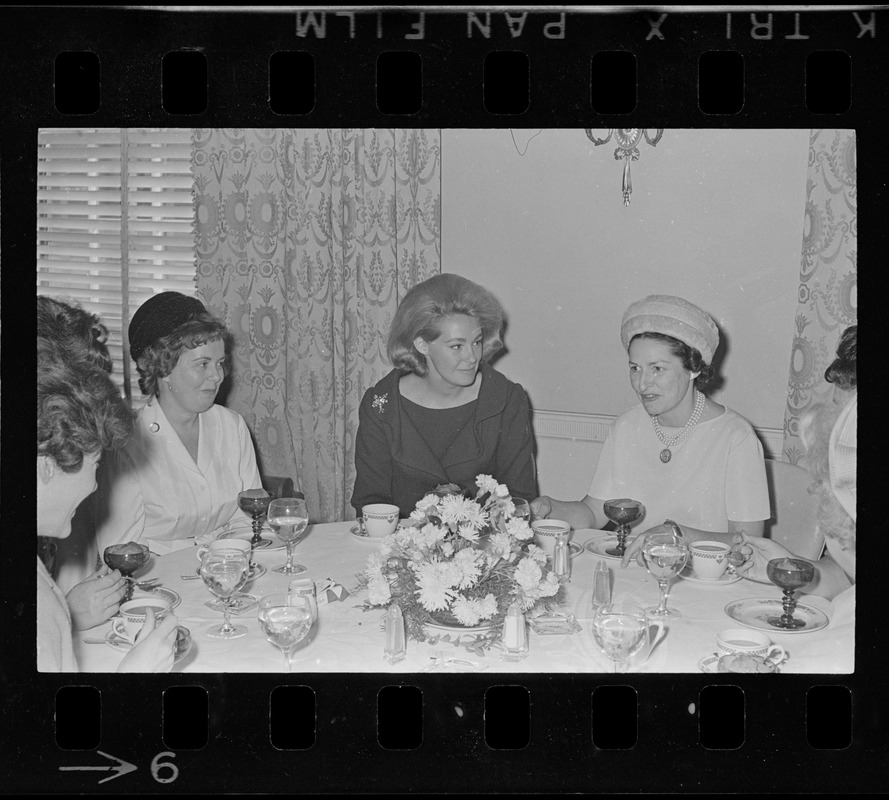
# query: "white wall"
716,216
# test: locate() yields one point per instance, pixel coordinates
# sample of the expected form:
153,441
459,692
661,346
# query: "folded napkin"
329,591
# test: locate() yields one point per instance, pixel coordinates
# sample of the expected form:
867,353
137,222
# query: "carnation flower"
378,591
486,483
465,611
434,593
528,574
467,561
501,490
537,554
519,528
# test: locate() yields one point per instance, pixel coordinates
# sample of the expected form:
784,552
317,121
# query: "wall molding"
594,428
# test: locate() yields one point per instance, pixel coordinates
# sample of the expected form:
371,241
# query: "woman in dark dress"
443,415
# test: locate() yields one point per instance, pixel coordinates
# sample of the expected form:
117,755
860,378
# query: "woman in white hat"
685,457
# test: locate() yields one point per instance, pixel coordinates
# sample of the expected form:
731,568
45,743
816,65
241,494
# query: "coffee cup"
224,544
379,519
746,641
133,614
547,531
653,634
709,560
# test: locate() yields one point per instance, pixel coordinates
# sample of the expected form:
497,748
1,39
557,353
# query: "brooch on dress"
380,400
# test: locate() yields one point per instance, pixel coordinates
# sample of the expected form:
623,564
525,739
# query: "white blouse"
716,475
152,491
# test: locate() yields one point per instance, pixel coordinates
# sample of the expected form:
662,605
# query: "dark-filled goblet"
623,512
789,574
256,503
126,558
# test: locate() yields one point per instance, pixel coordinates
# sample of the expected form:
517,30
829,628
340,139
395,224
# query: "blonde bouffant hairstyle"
424,307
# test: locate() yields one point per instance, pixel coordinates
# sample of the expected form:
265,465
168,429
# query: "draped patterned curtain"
828,280
306,241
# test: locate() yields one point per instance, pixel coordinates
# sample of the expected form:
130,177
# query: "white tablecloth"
345,638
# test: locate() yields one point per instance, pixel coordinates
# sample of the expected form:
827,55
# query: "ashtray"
553,624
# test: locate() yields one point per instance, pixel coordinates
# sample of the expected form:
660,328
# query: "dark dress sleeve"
515,450
373,458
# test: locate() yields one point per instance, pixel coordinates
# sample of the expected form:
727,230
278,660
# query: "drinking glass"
522,509
224,572
285,620
789,574
126,558
255,502
665,556
289,517
623,512
619,630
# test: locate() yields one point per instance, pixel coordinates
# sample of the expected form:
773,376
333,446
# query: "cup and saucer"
709,565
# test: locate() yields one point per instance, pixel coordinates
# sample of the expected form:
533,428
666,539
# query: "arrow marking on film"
119,768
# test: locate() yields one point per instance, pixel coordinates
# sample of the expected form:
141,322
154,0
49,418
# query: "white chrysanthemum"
468,562
378,592
488,606
528,574
536,553
468,532
434,593
456,509
520,529
447,549
374,564
499,545
486,483
466,611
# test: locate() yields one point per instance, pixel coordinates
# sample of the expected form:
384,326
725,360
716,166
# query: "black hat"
158,316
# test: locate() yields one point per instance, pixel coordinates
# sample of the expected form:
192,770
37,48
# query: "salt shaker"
601,585
515,634
394,649
561,561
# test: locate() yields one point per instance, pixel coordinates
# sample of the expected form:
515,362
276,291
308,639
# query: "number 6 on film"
157,765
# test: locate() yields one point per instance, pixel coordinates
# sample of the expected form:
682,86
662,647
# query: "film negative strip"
508,93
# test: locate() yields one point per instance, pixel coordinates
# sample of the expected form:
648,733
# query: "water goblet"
289,517
623,512
256,503
126,558
789,574
665,554
224,572
285,620
619,630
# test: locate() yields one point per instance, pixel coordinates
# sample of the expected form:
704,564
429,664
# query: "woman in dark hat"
179,477
685,457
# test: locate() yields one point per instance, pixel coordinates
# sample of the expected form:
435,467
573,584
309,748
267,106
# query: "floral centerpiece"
461,561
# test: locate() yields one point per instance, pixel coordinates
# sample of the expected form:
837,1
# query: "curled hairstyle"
691,359
423,309
76,331
79,410
843,370
160,358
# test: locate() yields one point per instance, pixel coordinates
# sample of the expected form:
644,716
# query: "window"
114,223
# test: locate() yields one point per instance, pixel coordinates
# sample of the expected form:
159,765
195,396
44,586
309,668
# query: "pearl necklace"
679,438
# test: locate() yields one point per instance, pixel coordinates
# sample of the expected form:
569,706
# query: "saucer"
256,570
163,592
600,542
269,539
724,580
754,613
357,533
574,549
709,663
183,642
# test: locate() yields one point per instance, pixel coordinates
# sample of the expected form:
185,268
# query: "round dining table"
348,638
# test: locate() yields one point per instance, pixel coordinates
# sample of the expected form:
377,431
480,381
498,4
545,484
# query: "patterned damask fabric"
306,241
828,285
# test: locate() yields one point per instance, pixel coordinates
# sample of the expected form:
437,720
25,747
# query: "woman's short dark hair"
75,330
424,307
79,409
691,359
160,358
843,370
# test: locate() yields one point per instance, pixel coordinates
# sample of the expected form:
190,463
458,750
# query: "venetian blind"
114,223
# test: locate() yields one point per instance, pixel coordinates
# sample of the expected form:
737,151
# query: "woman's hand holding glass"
758,551
96,599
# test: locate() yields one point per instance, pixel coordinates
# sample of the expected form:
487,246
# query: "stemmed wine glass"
256,503
289,516
619,630
665,554
522,509
224,572
789,574
623,512
285,620
126,558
